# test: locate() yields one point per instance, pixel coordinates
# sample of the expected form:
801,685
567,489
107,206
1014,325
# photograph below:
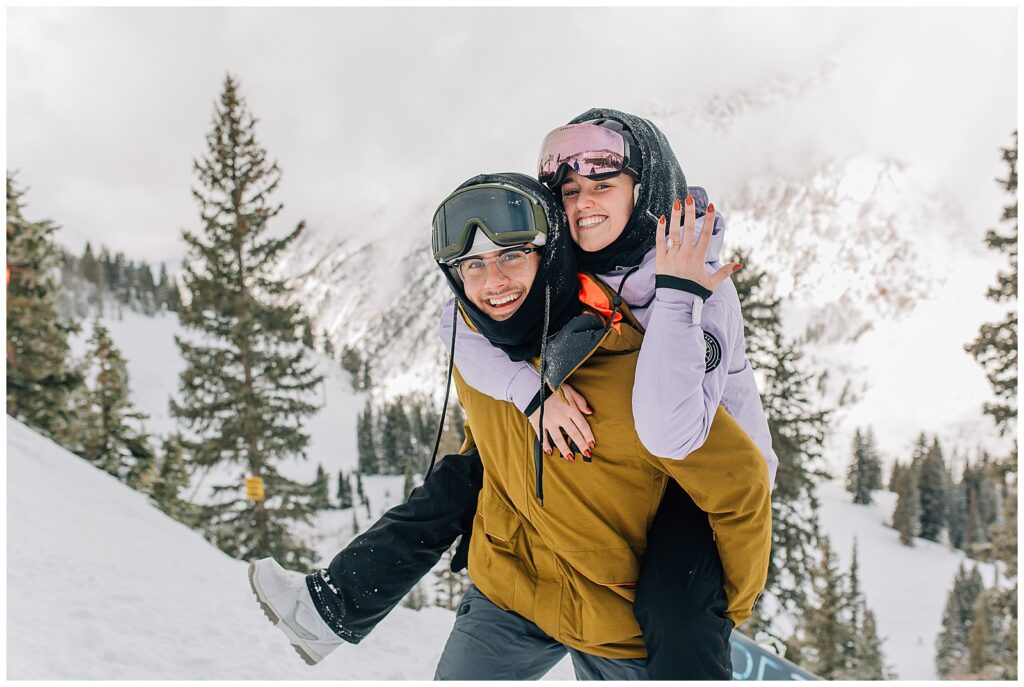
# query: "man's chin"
502,316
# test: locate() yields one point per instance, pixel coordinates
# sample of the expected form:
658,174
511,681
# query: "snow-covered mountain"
883,284
120,591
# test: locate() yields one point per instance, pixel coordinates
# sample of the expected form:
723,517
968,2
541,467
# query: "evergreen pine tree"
906,517
824,629
112,436
982,651
321,500
956,515
957,619
995,347
861,648
453,434
328,344
798,435
40,375
409,475
245,389
870,659
934,492
894,475
449,587
359,487
366,442
167,291
147,289
172,477
416,599
1004,596
864,475
396,441
344,491
975,536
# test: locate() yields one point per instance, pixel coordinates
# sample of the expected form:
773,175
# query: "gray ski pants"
488,643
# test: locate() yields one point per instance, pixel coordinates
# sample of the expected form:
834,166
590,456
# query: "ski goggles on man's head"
508,216
589,150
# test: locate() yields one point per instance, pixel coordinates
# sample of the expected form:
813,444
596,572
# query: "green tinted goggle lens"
506,215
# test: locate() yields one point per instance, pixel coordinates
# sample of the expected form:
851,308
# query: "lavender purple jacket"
692,360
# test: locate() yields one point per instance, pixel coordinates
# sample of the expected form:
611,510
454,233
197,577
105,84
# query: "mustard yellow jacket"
571,564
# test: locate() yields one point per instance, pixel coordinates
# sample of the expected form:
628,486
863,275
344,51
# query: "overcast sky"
375,114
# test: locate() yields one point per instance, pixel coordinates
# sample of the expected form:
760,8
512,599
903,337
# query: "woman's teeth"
503,300
588,222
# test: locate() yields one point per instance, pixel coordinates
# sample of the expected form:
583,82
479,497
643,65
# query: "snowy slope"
101,585
905,587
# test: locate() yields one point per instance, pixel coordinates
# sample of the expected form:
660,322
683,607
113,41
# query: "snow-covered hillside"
120,591
905,587
102,585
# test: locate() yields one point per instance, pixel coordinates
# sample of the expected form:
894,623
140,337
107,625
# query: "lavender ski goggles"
587,149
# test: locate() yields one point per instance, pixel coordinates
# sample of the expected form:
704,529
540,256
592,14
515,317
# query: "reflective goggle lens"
507,216
588,149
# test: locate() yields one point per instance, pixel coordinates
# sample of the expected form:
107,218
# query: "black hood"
520,335
662,182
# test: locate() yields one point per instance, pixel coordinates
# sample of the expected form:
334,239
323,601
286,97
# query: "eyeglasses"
512,263
505,214
590,150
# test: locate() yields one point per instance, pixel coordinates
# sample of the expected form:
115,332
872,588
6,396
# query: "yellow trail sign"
254,488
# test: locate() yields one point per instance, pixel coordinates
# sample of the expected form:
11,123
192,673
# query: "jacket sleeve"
728,479
486,368
681,374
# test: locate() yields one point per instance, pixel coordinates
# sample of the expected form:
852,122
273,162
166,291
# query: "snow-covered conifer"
798,434
995,347
40,373
246,388
112,432
864,475
906,517
934,492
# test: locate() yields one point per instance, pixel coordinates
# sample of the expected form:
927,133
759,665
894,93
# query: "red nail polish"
676,205
661,220
591,444
736,267
689,199
711,207
587,453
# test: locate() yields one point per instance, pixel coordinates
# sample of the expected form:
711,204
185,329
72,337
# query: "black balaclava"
663,181
520,335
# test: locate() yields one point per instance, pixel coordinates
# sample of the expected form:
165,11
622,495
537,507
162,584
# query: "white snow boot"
285,600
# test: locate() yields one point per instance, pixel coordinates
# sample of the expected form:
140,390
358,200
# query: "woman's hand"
565,417
679,256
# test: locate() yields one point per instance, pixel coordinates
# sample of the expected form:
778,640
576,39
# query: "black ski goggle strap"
505,214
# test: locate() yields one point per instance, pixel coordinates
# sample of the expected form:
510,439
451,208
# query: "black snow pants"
680,604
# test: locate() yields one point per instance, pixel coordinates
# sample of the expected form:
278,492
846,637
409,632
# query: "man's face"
500,295
597,210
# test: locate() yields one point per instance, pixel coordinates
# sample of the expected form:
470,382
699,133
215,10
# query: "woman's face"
597,210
